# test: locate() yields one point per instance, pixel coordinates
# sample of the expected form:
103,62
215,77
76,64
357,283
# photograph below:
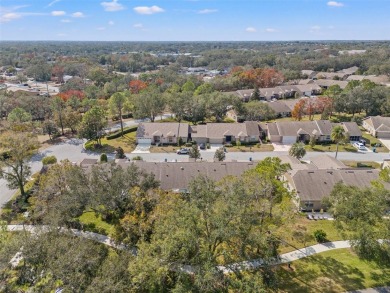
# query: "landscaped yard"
290,243
127,142
331,148
95,224
332,271
366,164
253,148
373,140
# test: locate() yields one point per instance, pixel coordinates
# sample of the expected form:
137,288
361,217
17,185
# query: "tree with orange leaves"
299,110
262,77
65,96
136,86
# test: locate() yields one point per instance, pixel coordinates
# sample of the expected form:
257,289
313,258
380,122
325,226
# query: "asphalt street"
73,150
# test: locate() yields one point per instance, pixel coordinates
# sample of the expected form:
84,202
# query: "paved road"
73,151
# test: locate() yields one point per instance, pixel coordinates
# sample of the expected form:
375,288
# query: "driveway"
280,147
385,142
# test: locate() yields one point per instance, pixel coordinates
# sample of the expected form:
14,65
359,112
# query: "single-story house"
309,89
349,71
353,130
377,126
380,80
308,73
289,132
331,75
162,133
220,133
325,83
176,176
311,186
280,108
233,115
326,162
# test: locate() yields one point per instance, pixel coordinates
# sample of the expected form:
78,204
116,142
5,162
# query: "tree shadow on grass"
320,274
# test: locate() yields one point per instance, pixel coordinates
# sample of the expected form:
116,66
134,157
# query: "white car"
359,146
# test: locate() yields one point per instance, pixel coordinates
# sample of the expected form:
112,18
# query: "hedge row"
119,133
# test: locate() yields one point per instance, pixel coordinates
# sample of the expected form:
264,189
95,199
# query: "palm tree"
338,135
297,150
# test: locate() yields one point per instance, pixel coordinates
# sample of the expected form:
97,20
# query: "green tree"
14,167
194,152
149,103
359,214
117,104
297,150
312,141
93,123
58,106
220,154
338,135
256,111
19,115
50,128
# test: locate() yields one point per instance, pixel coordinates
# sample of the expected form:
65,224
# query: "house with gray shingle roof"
312,186
162,133
377,126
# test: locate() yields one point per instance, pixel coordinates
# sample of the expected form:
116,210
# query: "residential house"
215,133
162,133
310,89
325,83
312,186
233,115
280,108
349,71
176,176
310,74
326,162
377,126
331,75
245,95
379,80
289,132
220,133
353,130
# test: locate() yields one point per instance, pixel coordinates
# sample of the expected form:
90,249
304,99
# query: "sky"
194,20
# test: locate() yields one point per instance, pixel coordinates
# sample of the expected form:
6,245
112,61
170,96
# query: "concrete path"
372,290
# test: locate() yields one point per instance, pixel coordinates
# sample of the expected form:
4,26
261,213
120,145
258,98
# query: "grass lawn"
249,149
332,271
127,142
286,233
331,148
95,224
370,139
366,164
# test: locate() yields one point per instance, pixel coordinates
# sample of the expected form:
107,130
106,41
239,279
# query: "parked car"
363,141
359,146
183,151
202,146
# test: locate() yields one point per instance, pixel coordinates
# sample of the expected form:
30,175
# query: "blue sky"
194,20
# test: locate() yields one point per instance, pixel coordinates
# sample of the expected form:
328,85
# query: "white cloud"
251,29
78,14
148,10
271,30
62,35
66,20
138,25
112,6
101,28
52,3
335,4
207,11
315,29
10,16
58,13
111,22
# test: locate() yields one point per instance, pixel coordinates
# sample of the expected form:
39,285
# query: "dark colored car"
202,146
183,151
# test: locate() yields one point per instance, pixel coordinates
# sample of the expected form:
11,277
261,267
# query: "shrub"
208,146
320,236
188,144
50,160
228,120
180,141
103,158
228,145
125,131
120,153
137,158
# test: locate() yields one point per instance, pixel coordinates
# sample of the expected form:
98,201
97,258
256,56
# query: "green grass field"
95,224
332,271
